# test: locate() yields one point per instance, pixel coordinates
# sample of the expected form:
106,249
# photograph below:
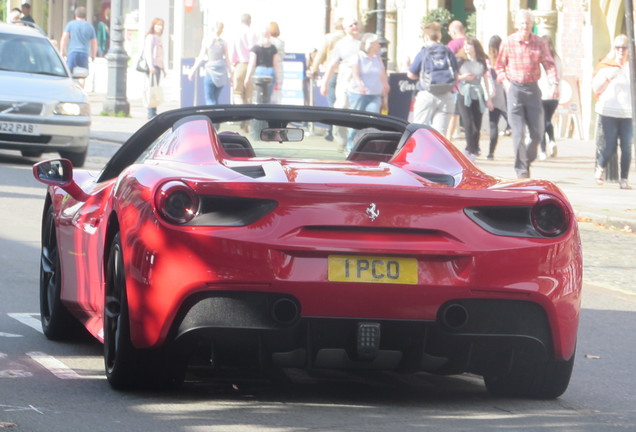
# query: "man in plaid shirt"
519,69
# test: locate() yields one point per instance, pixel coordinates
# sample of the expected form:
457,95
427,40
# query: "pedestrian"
240,57
26,13
611,86
103,30
78,41
473,94
435,67
497,96
457,33
321,59
217,66
550,104
153,54
369,83
274,31
263,62
518,68
343,56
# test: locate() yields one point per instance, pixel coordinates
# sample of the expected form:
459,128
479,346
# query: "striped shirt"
519,61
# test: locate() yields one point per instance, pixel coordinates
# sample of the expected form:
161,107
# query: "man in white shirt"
343,56
240,56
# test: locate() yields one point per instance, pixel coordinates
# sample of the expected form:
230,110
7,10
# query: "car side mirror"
79,72
55,172
59,172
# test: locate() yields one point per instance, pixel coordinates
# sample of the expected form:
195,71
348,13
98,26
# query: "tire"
541,380
77,159
126,366
57,322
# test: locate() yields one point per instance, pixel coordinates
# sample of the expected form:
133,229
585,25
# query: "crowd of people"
517,80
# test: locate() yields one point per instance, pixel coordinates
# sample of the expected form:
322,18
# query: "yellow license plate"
393,270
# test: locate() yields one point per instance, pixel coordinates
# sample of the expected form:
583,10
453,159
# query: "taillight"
176,202
549,216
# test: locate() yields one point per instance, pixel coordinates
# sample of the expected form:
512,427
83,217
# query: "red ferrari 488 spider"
274,248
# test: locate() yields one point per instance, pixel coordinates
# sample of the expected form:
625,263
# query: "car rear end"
363,276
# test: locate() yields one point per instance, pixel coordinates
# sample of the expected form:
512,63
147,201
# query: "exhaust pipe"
285,311
455,316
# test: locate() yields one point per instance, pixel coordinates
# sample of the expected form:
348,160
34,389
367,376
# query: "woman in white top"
611,85
369,83
153,53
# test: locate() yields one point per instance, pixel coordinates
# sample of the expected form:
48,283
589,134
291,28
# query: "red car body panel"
321,210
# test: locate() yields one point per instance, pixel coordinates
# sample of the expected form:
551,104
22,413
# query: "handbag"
142,65
154,95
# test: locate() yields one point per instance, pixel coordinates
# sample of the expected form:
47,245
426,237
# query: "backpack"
437,75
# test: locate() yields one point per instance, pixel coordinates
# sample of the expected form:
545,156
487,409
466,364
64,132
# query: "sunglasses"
620,47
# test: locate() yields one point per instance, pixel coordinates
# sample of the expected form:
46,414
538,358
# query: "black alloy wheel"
119,355
57,322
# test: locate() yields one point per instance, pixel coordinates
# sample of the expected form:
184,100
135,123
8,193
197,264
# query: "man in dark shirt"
26,13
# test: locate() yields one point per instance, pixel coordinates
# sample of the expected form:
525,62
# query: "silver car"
42,107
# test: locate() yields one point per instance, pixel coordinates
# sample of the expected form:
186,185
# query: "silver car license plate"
19,128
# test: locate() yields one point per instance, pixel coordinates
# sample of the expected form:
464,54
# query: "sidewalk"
572,170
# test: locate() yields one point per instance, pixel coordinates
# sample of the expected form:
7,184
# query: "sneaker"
490,157
624,185
471,156
552,149
599,175
542,155
329,137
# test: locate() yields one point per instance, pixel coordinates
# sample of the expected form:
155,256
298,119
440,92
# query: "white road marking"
10,335
29,319
9,408
55,366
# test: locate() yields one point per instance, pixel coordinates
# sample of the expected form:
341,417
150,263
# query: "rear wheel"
57,322
128,367
541,380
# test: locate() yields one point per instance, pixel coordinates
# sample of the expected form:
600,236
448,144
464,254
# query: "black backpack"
437,75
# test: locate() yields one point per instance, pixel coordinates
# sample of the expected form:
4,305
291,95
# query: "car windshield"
295,141
19,53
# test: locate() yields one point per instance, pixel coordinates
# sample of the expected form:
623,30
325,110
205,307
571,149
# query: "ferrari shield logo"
373,212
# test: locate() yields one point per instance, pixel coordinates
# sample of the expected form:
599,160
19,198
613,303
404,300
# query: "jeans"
493,120
471,118
549,107
266,71
212,92
614,129
362,102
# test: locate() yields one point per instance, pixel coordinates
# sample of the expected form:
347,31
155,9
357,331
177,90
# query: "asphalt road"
47,386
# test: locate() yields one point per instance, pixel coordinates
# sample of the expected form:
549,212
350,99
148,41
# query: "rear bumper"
470,335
